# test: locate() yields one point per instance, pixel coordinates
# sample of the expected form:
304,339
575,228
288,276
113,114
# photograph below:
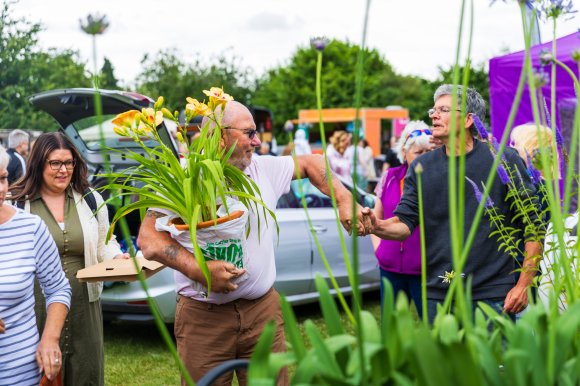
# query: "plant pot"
180,225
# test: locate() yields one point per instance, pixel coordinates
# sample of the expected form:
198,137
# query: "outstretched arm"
159,246
312,166
390,229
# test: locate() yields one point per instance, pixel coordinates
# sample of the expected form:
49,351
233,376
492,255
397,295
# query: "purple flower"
480,127
319,43
503,175
479,196
552,9
559,139
496,148
534,174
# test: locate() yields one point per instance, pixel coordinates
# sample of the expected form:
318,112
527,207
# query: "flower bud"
159,103
167,114
179,137
419,168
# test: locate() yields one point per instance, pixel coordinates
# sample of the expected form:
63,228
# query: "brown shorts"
210,334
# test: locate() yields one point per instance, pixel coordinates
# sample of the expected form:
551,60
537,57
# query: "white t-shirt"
273,176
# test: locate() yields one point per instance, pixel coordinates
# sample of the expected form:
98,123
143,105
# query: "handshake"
365,224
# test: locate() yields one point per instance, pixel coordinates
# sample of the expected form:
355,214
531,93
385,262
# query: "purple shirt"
396,256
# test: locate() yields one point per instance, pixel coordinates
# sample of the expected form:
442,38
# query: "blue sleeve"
53,281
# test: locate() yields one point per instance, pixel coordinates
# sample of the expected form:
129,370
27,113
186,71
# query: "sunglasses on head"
416,133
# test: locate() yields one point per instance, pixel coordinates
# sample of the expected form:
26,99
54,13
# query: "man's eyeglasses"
56,164
440,110
250,133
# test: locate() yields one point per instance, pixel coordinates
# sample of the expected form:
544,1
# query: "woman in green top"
53,188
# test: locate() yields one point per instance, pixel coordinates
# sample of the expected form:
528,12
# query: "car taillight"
139,303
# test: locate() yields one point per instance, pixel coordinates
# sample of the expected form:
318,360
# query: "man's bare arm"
159,246
312,166
517,299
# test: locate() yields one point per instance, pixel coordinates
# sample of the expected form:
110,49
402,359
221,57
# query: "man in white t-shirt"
227,324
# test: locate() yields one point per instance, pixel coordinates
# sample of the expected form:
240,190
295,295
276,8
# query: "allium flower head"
478,195
480,127
95,25
319,43
546,57
541,78
288,126
553,9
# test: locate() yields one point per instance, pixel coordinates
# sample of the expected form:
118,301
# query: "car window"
316,199
89,133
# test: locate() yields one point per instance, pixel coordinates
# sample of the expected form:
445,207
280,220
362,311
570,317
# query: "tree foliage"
167,74
107,78
25,69
478,79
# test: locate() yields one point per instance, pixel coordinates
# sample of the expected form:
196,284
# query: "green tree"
25,69
287,89
167,74
478,78
107,78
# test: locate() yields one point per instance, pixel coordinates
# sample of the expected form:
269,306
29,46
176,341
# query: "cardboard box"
119,270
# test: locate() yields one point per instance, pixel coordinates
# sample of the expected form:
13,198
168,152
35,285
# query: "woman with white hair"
30,253
400,261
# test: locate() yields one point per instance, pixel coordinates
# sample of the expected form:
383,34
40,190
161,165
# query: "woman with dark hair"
53,188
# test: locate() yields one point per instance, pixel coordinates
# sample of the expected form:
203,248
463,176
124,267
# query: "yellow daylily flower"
217,96
195,107
126,119
150,116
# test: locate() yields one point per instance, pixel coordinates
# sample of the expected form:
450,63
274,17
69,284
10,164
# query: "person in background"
367,162
301,145
18,141
527,140
400,261
265,149
391,158
31,253
336,152
57,190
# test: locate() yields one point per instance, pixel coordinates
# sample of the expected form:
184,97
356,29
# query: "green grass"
136,354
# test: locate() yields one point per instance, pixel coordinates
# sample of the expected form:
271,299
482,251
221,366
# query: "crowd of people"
57,225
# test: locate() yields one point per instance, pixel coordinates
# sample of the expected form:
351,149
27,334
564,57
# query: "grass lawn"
136,354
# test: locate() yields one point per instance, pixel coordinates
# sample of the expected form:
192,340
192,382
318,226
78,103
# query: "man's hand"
222,275
516,300
159,246
363,224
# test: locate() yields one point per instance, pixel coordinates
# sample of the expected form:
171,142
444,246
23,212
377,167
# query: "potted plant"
201,189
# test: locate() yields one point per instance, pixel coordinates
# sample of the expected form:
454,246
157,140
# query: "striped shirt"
27,250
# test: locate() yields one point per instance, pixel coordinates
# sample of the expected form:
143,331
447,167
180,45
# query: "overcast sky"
415,36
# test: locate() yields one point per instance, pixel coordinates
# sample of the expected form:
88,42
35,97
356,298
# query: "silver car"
297,257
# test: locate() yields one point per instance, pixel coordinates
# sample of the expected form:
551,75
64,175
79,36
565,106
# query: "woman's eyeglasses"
56,164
